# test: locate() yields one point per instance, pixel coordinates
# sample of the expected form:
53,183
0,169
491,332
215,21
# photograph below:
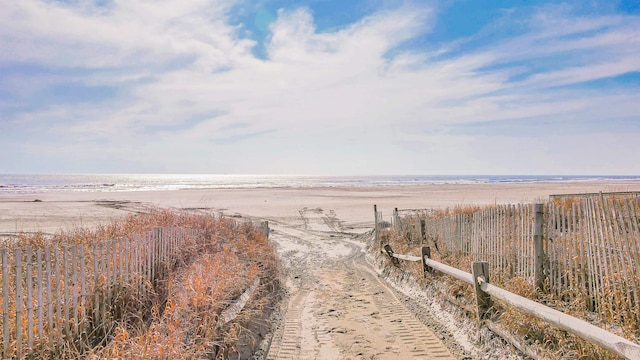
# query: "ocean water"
146,182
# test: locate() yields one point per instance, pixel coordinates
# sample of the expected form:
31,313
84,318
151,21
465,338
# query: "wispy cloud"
166,84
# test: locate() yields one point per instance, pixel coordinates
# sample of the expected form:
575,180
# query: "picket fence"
590,245
57,294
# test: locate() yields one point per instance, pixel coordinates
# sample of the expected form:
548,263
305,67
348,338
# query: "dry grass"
178,313
617,314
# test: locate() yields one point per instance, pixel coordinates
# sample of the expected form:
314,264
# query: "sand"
49,212
338,305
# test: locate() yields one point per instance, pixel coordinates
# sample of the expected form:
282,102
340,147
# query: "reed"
591,263
144,287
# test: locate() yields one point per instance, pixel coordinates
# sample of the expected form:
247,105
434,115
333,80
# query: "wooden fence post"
396,223
481,269
423,231
538,222
389,251
426,254
265,225
375,226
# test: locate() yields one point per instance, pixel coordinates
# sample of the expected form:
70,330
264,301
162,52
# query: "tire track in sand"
338,308
287,340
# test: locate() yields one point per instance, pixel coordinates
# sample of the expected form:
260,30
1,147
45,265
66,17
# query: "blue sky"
320,87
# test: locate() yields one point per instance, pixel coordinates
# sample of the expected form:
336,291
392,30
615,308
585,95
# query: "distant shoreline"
68,209
105,183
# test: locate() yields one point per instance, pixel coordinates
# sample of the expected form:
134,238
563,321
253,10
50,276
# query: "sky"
320,87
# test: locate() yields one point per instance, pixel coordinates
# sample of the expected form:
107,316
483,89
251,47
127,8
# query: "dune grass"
178,315
618,313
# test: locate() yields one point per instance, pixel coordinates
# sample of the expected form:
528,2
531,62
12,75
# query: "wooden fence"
61,294
479,278
589,246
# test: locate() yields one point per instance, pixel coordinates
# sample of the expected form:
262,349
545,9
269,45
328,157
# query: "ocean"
14,183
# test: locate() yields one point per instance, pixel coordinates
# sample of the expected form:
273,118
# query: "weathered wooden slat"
236,307
634,239
96,283
104,269
626,241
18,260
589,238
120,261
47,260
603,265
127,259
135,270
562,249
83,290
113,262
550,243
615,246
5,303
66,308
40,285
571,246
605,253
29,284
74,289
581,276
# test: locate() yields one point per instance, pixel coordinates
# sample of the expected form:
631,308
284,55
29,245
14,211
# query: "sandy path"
337,307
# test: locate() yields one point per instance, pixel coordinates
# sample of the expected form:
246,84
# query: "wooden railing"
590,244
486,292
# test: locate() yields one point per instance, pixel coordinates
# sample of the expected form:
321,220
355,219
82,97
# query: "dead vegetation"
178,315
617,313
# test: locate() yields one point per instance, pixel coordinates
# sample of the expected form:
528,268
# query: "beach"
340,302
351,205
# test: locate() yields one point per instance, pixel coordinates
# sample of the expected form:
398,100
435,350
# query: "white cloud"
126,33
189,87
